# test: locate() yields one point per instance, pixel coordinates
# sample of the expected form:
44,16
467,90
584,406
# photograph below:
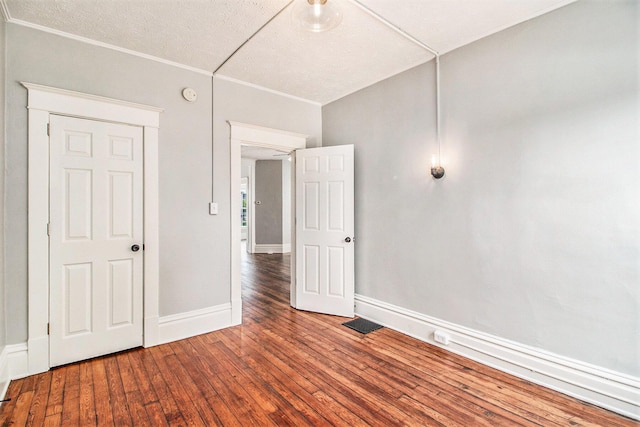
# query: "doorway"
265,207
253,136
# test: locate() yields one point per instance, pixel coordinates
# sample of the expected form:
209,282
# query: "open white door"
324,230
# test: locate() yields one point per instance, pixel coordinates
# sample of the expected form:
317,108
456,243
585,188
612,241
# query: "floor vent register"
363,326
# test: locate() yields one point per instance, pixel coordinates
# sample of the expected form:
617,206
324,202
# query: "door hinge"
48,328
48,228
48,129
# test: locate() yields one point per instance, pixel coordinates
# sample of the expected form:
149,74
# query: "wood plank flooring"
286,367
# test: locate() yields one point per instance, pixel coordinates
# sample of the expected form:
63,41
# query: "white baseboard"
4,373
184,325
15,360
18,361
14,364
273,248
236,312
605,388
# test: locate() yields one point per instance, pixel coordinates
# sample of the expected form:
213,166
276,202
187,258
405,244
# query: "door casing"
42,102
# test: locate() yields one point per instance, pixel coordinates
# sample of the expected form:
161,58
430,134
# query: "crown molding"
86,40
266,89
101,44
5,11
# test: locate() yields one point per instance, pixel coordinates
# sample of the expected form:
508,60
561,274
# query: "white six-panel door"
96,216
324,230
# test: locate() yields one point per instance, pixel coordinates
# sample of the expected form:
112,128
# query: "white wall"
533,235
194,252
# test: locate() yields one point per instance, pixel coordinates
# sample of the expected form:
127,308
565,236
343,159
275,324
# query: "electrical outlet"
441,337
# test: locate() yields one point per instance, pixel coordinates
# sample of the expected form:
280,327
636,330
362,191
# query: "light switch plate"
213,208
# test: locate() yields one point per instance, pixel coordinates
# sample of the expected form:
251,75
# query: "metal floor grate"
363,326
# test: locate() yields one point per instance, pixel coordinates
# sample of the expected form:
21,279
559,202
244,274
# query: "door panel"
324,232
78,285
95,217
121,202
121,292
78,210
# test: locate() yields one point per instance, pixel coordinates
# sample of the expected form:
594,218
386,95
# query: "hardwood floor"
285,367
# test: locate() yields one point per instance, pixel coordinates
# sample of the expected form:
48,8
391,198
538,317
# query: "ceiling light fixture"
437,171
317,15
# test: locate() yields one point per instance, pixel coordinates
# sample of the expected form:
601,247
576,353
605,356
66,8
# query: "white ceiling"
320,67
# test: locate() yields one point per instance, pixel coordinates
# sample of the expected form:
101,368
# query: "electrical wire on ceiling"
213,93
437,170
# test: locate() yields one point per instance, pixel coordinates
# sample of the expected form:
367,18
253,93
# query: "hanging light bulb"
317,15
437,171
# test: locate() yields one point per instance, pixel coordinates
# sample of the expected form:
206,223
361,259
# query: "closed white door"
324,230
95,238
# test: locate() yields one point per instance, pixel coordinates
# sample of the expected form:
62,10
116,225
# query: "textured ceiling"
316,66
261,153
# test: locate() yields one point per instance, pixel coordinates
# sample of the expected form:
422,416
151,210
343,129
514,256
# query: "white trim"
443,52
277,248
611,390
108,46
151,237
43,101
78,104
13,365
17,361
5,376
246,134
500,28
261,136
184,325
266,89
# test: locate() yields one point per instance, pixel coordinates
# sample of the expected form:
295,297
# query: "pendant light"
317,15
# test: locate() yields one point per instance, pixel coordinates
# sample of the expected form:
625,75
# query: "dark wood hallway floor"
285,367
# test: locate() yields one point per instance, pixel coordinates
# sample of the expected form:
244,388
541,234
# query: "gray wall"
3,329
286,202
194,252
268,214
533,235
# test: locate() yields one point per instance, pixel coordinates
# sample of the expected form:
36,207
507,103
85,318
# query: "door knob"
348,239
135,248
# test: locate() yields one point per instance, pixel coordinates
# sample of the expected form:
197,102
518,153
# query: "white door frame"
43,101
246,134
